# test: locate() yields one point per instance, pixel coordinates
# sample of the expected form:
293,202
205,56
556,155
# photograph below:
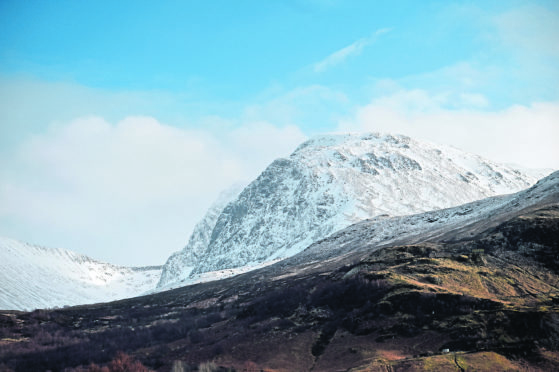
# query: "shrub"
207,367
180,366
121,363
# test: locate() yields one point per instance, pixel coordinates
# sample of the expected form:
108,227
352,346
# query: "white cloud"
127,192
28,105
258,143
526,135
353,49
135,160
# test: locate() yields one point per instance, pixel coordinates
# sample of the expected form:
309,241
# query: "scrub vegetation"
490,302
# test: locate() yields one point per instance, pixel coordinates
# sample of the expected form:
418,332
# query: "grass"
471,362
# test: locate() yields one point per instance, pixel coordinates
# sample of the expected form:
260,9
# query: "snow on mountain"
452,223
329,183
181,263
34,277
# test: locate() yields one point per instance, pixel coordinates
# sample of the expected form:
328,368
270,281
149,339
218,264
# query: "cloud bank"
520,134
141,181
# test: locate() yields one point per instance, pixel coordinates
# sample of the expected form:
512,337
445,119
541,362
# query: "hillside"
478,295
35,277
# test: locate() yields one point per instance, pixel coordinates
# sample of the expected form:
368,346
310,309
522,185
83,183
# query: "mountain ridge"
332,181
33,277
432,226
182,262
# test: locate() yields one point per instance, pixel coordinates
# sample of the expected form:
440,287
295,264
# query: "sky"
121,122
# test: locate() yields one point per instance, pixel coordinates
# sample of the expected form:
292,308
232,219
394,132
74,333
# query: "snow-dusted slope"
332,181
452,223
34,277
181,263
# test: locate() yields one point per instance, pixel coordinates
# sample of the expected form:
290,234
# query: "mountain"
328,183
475,287
34,277
472,217
451,224
180,264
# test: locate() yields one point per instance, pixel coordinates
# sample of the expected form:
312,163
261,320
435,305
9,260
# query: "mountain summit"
328,183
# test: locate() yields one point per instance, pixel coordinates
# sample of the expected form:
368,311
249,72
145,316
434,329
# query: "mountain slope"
181,263
478,294
35,277
452,224
331,182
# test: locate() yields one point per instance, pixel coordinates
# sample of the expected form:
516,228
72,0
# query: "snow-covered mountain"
451,224
330,182
181,263
34,277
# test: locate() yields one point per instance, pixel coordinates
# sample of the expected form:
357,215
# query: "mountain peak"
351,139
332,181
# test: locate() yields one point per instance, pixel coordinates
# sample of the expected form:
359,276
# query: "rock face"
328,183
456,224
180,264
35,277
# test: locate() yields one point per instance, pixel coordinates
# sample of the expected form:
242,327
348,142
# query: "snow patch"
35,277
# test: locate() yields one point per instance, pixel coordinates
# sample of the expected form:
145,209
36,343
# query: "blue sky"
231,49
112,113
